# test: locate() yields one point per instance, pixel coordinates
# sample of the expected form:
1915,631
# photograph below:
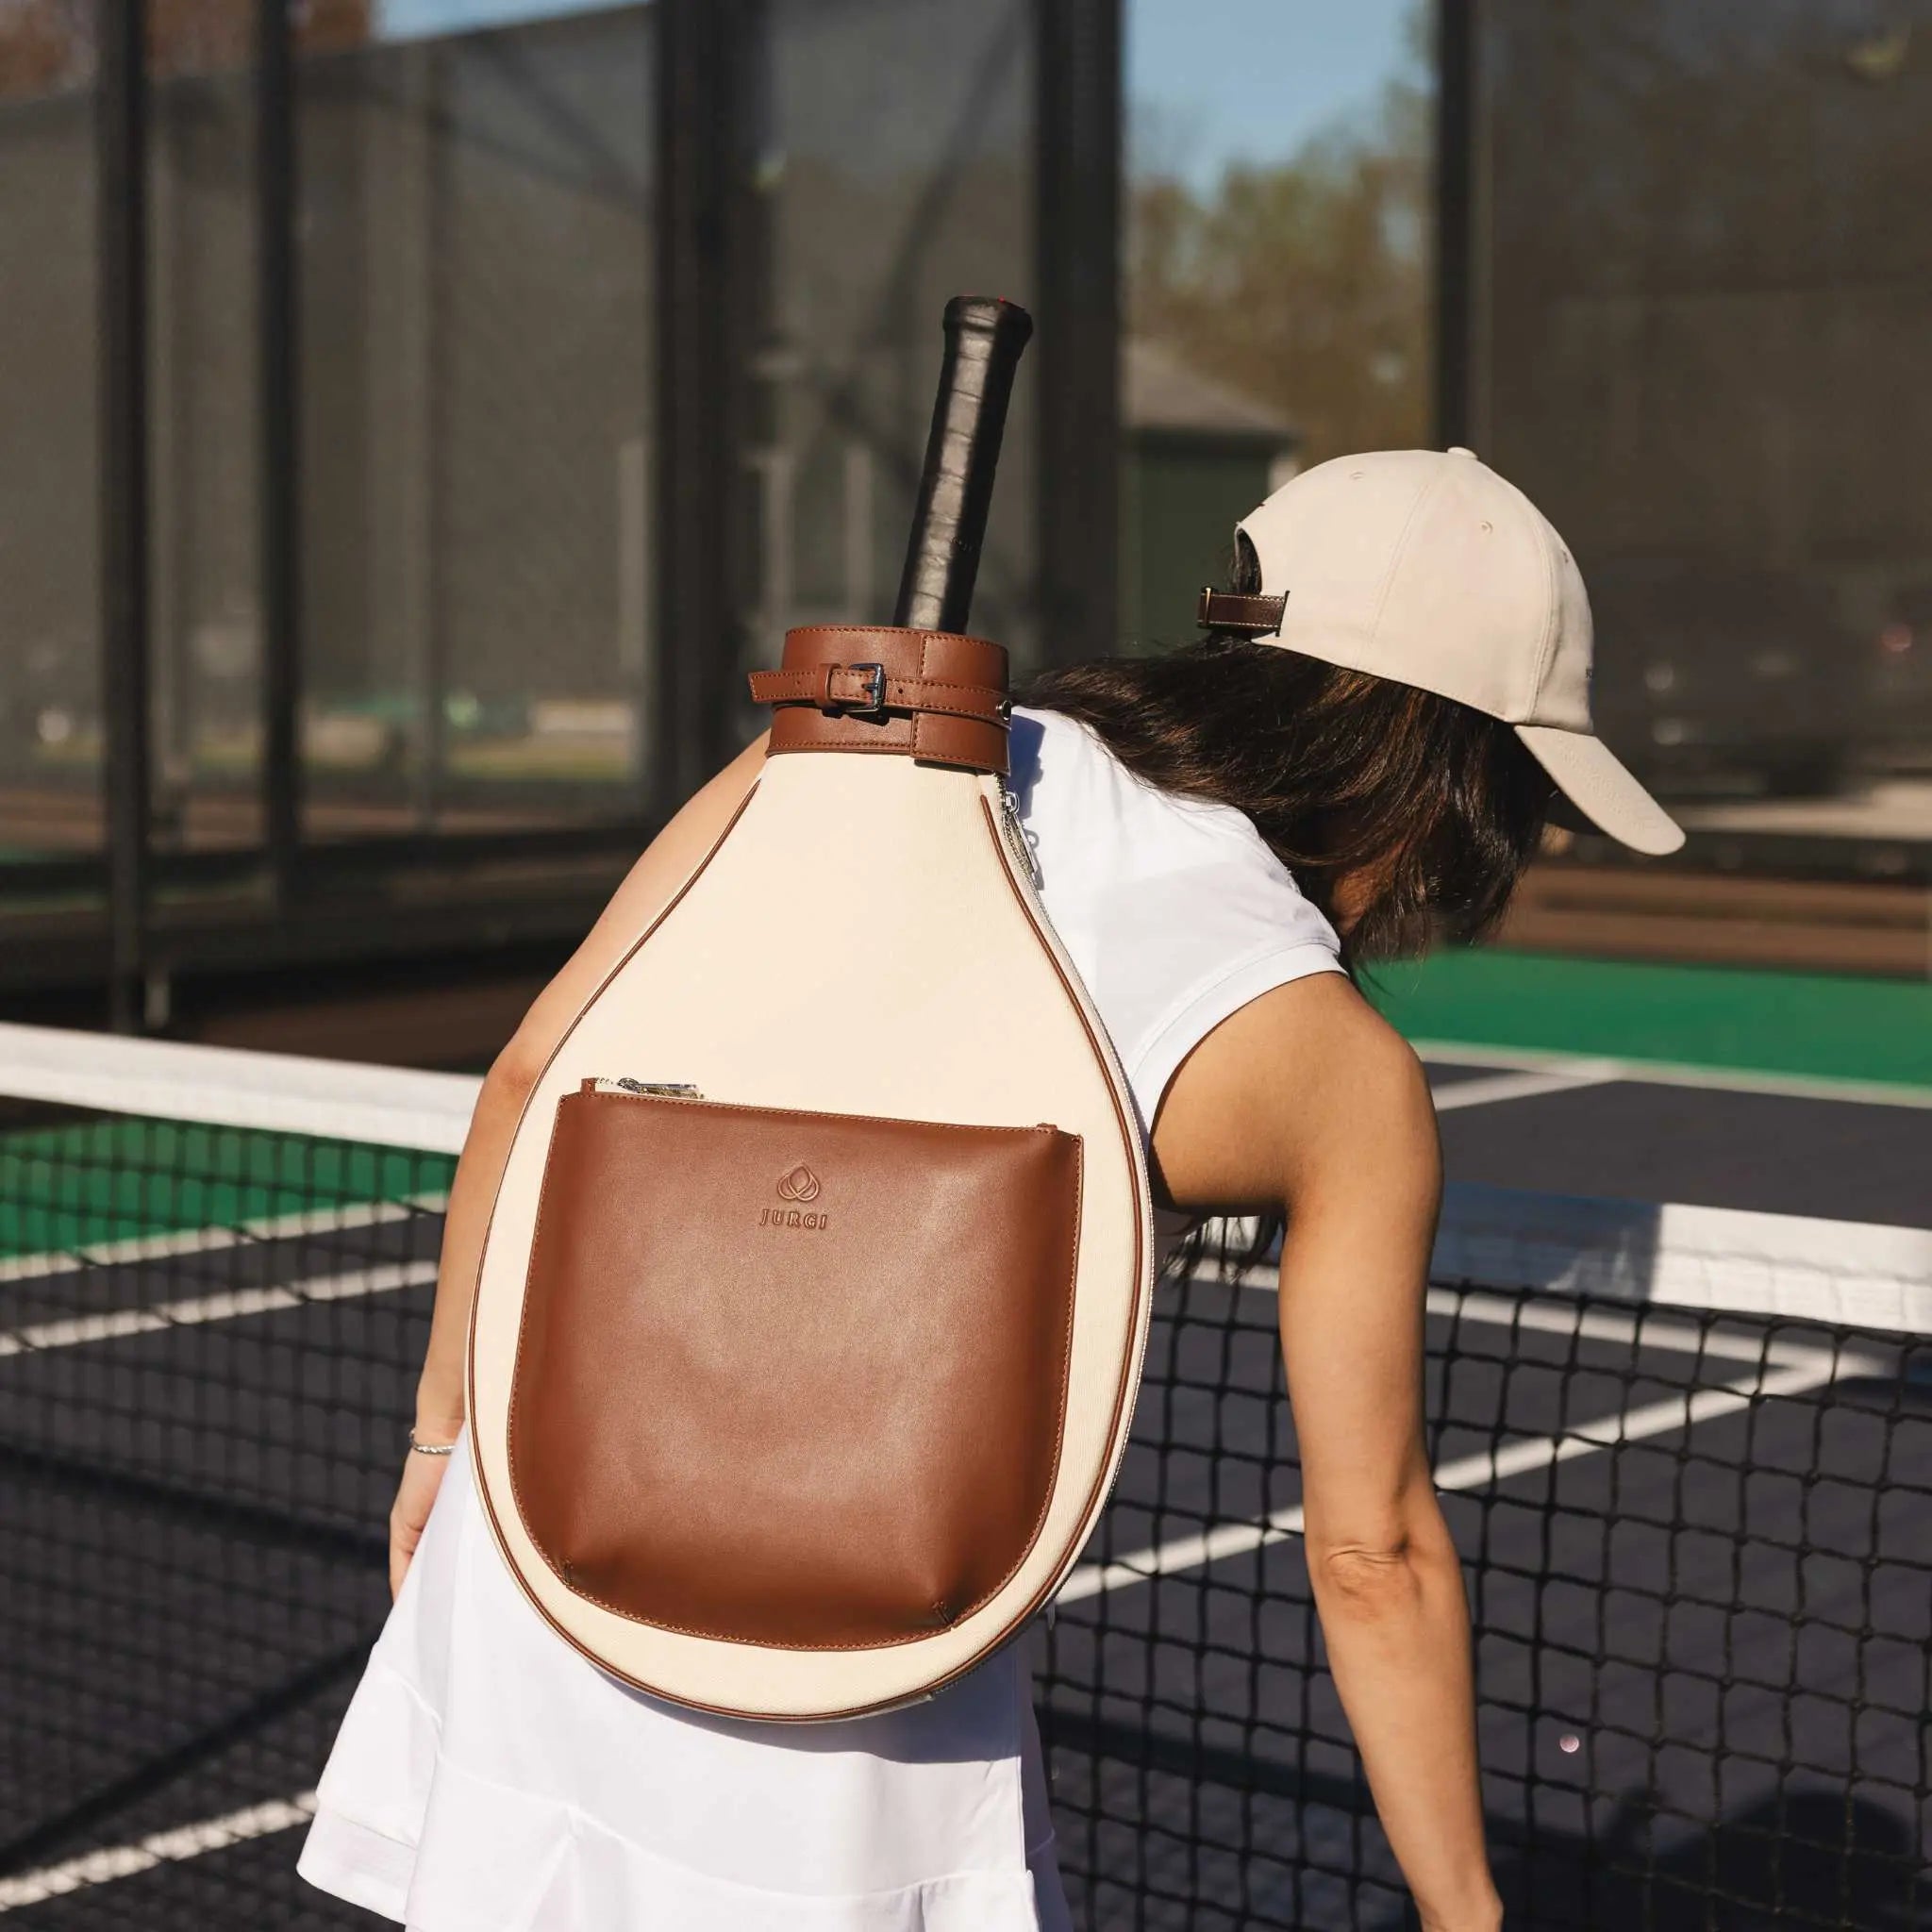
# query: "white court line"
1801,1369
1165,1559
1201,1547
210,1240
1641,1331
1486,1090
1646,1330
110,1325
159,1848
1460,1053
1551,1315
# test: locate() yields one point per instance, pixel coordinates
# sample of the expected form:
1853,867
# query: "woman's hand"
410,1512
649,886
652,882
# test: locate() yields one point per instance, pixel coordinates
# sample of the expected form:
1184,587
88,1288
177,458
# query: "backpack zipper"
1016,835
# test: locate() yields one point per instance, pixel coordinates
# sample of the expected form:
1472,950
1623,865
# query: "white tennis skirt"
489,1778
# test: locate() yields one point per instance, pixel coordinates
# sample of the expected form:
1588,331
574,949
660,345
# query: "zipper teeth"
647,1089
1110,1054
1029,886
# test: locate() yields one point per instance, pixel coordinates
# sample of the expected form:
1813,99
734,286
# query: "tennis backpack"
814,1296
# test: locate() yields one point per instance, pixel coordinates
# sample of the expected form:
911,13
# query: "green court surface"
1813,1025
79,1184
83,1183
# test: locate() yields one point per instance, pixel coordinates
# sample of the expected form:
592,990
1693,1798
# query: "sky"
1209,81
411,20
1215,81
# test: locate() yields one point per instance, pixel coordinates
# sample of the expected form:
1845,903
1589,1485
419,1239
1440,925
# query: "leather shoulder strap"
932,696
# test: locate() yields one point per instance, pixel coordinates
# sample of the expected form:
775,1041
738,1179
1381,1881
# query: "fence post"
1455,130
703,49
280,482
1077,348
121,187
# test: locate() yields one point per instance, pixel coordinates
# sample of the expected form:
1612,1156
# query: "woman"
1361,753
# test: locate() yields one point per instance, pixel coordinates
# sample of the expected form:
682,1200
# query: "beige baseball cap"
1428,569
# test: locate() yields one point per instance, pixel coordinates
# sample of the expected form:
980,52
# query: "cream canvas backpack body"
814,1296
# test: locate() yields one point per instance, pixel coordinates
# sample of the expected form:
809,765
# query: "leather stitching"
991,760
889,630
801,1113
1143,1287
1131,1373
516,1366
818,694
726,1106
651,926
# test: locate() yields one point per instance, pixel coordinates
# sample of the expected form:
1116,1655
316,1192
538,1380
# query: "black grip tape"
983,340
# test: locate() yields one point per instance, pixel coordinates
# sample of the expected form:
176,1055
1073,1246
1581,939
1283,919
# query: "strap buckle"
875,704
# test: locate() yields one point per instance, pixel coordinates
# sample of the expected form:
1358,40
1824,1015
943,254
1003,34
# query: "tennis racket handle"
984,338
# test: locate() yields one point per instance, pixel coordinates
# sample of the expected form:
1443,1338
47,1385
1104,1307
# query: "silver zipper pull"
1016,835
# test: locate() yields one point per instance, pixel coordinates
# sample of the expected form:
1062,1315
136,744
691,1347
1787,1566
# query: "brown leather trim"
1230,610
906,1288
651,926
926,736
945,696
1143,1289
903,650
857,688
1126,1389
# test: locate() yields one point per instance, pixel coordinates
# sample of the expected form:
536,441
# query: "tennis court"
1687,1453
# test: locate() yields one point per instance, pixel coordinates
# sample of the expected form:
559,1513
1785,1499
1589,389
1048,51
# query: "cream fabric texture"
487,1779
837,864
1427,568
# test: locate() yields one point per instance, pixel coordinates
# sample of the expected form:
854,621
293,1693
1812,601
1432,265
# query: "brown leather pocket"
792,1379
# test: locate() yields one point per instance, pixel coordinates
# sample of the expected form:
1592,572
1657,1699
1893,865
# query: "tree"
1305,283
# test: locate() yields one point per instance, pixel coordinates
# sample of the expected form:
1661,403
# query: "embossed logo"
799,1185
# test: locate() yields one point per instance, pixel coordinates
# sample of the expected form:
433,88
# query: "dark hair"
1432,807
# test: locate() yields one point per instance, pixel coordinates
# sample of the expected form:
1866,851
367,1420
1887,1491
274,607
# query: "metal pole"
1077,387
702,45
1456,133
280,446
121,165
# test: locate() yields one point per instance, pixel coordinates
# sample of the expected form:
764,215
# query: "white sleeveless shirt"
489,1778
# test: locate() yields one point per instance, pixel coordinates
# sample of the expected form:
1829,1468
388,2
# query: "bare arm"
664,866
1305,1101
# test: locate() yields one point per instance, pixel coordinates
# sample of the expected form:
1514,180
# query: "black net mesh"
1697,1563
210,1343
1696,1550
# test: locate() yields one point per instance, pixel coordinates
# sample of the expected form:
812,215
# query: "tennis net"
1686,1455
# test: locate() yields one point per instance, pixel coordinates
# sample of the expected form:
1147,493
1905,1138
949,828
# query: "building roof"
1160,392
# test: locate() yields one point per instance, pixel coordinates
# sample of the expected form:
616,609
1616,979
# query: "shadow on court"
1822,1857
1817,1855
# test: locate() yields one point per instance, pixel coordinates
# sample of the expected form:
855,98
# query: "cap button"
1457,450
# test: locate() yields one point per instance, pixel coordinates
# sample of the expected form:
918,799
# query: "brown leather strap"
927,694
1230,610
864,687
